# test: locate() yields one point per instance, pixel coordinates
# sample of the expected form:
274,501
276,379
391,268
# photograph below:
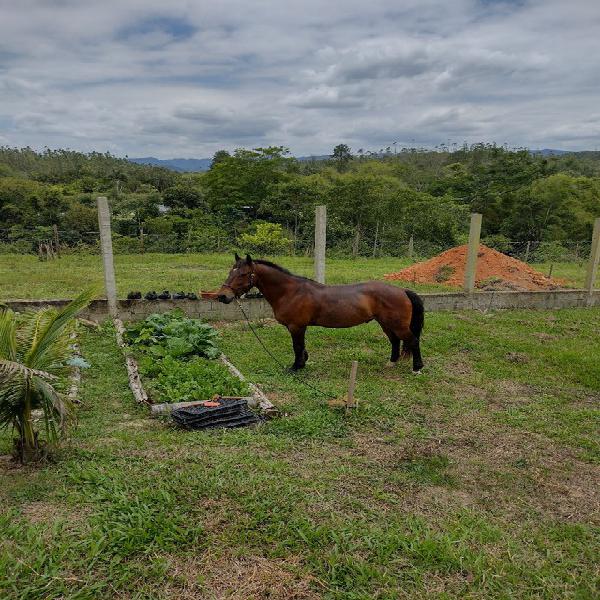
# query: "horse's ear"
237,257
248,259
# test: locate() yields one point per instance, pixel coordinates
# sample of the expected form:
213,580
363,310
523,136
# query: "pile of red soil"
494,271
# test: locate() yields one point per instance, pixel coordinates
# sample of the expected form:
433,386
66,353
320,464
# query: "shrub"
498,242
550,252
18,247
268,238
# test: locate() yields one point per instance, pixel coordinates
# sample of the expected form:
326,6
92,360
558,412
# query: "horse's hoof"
390,364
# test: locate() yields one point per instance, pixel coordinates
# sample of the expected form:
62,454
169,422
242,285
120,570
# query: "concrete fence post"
320,242
411,246
107,255
592,269
471,266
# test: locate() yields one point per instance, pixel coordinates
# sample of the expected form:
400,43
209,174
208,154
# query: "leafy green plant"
173,334
196,379
34,355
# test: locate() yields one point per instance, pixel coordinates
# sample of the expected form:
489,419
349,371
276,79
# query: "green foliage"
498,242
268,238
522,197
196,379
244,179
34,353
549,252
173,334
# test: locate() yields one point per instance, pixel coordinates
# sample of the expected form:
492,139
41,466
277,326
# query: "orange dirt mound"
494,271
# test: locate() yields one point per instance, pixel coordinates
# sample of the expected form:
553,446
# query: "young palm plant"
34,352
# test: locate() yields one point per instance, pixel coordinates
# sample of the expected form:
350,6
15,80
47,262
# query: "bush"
497,242
268,238
18,247
550,252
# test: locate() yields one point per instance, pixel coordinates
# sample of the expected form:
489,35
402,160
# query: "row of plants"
177,359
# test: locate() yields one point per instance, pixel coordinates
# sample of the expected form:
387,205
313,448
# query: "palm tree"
34,350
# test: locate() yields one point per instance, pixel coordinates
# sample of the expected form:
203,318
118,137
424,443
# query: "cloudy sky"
186,78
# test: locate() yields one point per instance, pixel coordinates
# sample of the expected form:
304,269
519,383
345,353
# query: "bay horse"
298,303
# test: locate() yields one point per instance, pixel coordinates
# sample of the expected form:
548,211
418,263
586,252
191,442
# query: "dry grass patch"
240,578
505,468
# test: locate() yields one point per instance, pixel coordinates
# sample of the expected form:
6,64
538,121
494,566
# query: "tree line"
264,199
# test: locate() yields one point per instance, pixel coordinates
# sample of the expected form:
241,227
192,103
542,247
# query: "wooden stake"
56,240
351,402
527,251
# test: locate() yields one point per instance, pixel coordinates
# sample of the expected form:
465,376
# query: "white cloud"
144,77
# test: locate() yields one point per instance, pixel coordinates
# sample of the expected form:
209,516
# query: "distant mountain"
181,165
188,165
550,152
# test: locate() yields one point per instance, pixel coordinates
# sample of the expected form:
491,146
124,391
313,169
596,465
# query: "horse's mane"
277,267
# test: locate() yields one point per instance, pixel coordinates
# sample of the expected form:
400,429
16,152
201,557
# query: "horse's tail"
418,313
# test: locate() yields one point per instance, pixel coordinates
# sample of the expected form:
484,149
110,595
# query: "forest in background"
263,200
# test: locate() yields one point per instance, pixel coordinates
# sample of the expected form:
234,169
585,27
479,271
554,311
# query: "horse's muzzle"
224,298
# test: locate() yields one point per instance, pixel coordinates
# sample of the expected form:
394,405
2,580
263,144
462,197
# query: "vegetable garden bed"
181,364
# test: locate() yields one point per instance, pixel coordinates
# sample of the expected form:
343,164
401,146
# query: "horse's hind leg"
395,342
411,345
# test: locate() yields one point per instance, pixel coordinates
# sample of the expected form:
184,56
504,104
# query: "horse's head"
240,280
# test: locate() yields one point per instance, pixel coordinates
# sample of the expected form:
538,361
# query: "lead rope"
305,383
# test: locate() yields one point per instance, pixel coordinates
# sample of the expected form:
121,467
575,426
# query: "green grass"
478,479
26,277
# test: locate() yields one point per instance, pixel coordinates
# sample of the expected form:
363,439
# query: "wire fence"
380,241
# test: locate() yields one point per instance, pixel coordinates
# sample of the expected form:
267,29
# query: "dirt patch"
42,512
517,357
545,337
8,464
495,271
241,578
46,513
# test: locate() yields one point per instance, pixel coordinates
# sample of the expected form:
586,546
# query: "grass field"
26,277
478,479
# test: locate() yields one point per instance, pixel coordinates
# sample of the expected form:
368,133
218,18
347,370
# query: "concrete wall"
133,310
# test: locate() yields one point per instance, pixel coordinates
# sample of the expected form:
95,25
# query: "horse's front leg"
300,353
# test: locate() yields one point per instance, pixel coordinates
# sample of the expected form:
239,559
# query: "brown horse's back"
350,305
